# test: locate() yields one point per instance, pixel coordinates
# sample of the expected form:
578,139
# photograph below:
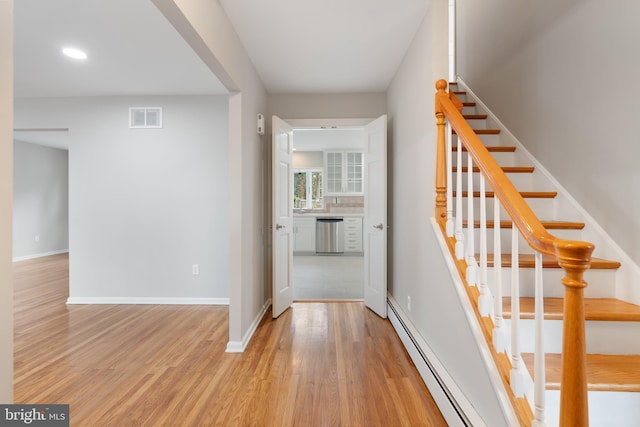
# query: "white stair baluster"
539,365
499,329
459,230
470,242
484,300
517,377
449,224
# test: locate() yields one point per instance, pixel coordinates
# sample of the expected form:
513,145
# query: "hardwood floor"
319,364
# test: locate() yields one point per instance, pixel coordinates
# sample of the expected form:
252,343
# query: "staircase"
612,326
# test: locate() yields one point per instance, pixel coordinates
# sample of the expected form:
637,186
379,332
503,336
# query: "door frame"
309,123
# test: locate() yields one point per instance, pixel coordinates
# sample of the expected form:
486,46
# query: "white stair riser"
556,208
600,283
486,139
522,181
477,123
543,208
602,337
606,409
470,110
511,158
461,97
505,239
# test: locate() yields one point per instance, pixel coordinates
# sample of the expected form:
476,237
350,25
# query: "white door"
282,294
375,218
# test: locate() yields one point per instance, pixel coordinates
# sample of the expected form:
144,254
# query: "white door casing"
282,181
375,217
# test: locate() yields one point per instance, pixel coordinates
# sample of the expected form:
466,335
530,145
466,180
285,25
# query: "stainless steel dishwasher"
329,235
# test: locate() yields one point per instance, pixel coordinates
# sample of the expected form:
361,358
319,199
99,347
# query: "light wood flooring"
319,364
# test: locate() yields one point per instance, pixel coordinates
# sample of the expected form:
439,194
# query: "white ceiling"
297,46
132,50
326,46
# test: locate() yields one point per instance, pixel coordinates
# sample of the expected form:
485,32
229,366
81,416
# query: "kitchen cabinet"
304,234
344,172
353,234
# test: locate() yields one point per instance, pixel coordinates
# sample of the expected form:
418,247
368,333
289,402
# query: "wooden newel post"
575,259
441,155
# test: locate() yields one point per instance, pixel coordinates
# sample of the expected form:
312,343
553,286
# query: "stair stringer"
489,363
627,277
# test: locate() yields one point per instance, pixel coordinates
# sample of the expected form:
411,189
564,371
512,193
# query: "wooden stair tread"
525,194
466,104
606,309
549,225
528,261
605,372
482,131
505,169
474,116
491,148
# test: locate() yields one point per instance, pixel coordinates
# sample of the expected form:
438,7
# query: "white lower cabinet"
352,234
304,234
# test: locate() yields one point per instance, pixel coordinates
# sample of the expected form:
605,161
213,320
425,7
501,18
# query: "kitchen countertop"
327,214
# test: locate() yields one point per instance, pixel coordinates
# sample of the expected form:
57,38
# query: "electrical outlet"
409,303
195,269
37,238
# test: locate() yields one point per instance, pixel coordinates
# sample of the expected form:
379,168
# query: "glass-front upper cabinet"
334,171
344,171
355,170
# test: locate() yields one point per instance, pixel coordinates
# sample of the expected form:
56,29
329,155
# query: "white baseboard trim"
33,256
240,346
453,404
148,300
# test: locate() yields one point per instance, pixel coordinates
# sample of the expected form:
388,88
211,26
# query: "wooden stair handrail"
573,256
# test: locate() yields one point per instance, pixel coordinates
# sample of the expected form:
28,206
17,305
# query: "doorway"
328,209
329,172
40,192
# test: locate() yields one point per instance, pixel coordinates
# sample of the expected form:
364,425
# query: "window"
307,189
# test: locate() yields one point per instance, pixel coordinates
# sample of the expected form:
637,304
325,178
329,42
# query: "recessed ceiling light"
74,53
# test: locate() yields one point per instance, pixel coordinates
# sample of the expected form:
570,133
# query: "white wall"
417,267
328,106
308,159
323,139
562,76
207,29
6,178
40,200
144,204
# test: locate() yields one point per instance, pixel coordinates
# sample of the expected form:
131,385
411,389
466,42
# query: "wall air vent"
145,117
